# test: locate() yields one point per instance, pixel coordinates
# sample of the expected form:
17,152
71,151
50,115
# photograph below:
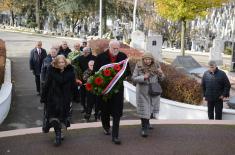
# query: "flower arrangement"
108,80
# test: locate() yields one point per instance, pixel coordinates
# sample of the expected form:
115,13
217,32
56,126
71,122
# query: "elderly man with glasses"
113,106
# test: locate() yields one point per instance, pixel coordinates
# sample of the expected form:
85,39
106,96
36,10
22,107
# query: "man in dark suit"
35,61
113,106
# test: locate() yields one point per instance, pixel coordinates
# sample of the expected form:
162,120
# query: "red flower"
117,68
107,72
98,81
88,87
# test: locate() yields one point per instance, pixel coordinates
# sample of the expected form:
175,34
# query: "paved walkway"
167,138
26,109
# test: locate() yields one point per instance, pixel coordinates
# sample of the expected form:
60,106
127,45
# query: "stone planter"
175,110
5,92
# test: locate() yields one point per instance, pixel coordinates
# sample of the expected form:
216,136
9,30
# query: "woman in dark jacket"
57,94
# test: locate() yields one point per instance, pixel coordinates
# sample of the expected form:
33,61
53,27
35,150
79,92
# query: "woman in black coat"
57,95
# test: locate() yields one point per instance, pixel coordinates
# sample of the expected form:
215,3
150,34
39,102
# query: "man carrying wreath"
113,106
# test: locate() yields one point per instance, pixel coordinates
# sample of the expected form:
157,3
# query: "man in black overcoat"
82,63
64,49
113,106
37,56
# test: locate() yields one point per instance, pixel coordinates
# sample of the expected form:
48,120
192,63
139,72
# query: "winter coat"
46,63
57,93
81,62
115,104
215,85
35,60
64,52
146,104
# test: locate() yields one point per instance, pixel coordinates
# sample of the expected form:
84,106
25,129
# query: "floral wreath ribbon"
117,76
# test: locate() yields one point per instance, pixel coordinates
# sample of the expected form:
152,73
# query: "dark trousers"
92,102
37,81
216,106
105,119
83,97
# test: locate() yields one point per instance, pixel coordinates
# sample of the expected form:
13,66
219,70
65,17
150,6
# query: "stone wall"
2,60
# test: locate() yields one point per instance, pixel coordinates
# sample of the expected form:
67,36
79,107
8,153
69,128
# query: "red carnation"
107,72
88,87
117,68
98,81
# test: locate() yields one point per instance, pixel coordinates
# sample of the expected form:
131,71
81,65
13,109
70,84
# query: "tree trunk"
12,18
37,14
104,16
183,30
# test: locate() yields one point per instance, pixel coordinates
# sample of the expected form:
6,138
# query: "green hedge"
177,86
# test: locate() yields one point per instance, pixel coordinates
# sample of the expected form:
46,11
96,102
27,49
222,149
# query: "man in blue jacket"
216,87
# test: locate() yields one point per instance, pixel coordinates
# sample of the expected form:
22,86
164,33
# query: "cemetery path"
165,139
26,110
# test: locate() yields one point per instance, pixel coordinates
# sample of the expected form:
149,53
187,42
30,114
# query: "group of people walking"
61,75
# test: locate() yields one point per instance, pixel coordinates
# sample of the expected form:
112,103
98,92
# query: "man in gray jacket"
216,87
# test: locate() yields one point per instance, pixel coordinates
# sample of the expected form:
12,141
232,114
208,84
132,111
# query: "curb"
36,34
27,131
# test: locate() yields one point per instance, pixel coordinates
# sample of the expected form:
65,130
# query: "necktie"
39,53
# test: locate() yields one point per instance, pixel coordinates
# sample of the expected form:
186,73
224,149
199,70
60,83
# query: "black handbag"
45,125
155,89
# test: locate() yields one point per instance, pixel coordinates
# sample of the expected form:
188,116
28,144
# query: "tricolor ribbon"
117,76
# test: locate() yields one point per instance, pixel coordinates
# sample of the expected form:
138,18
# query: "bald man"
113,106
37,56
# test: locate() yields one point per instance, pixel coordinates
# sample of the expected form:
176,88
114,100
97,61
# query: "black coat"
83,62
46,63
64,52
35,61
215,85
115,103
58,91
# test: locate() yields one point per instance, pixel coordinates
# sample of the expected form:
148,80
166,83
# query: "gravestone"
233,59
216,51
154,46
187,63
137,40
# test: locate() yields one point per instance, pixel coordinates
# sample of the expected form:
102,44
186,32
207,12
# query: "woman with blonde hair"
147,72
57,95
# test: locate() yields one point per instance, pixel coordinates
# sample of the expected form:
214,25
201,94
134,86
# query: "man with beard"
113,106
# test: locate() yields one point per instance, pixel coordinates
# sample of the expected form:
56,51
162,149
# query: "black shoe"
107,131
144,133
116,141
